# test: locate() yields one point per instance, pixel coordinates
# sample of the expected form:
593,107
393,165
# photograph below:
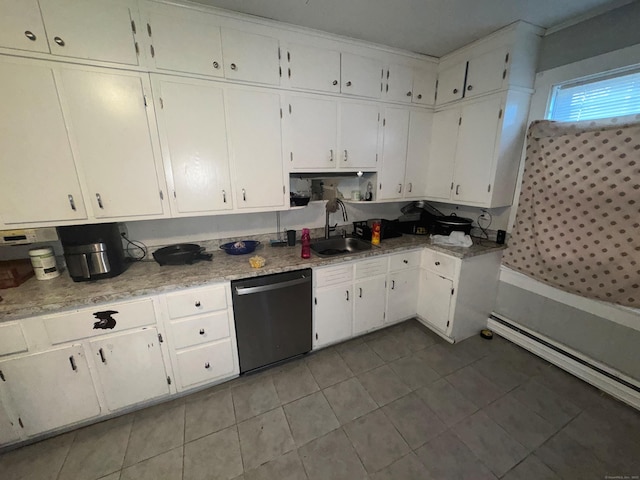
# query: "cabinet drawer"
99,320
405,260
370,268
200,329
12,339
206,363
199,300
439,263
333,275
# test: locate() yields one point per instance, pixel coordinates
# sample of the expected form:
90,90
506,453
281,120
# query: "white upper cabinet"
424,86
415,177
312,68
313,132
487,72
21,26
442,154
250,57
361,76
395,126
451,83
256,148
110,131
398,83
38,179
193,136
358,141
91,29
183,40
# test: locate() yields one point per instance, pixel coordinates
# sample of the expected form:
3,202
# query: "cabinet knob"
244,195
234,66
348,84
224,196
197,303
30,35
410,187
469,87
202,331
207,365
437,263
419,96
331,155
72,203
455,90
408,94
405,261
59,41
346,155
335,82
216,65
99,199
393,284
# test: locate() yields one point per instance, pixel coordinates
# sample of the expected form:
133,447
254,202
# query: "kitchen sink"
338,246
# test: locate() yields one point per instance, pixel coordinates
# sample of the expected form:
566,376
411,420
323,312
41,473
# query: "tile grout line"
75,435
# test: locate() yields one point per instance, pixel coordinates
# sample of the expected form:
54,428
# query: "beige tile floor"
396,404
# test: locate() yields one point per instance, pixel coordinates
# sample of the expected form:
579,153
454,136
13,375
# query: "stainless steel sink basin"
338,246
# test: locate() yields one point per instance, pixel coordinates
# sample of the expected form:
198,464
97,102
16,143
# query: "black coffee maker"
92,252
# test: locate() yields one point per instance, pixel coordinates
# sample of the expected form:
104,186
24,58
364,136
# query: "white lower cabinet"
402,295
50,389
434,305
130,367
207,363
333,309
369,304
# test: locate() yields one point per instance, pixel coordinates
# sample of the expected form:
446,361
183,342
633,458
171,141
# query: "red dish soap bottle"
306,243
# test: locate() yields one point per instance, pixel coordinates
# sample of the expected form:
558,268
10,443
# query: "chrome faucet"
332,206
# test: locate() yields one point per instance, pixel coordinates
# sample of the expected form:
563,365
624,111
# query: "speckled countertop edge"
37,297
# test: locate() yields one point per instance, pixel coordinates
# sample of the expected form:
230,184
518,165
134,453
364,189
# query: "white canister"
44,263
355,195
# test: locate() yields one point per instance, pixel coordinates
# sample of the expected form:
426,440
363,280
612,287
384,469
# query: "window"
610,95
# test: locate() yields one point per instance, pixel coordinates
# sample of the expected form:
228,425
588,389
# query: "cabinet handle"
59,41
153,51
202,331
419,96
224,196
234,66
457,189
405,261
72,203
331,155
393,284
149,29
455,90
99,199
30,35
335,82
408,94
206,365
399,188
346,155
244,195
101,352
348,84
469,87
410,187
197,303
437,263
216,65
72,361
347,295
360,294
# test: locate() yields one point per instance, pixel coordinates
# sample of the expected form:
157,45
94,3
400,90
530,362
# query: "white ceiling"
433,27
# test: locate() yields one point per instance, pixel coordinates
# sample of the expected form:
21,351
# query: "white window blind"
605,96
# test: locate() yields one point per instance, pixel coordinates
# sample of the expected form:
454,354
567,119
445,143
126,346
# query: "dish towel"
454,239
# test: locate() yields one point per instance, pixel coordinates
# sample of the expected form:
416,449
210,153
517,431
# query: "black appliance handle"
274,286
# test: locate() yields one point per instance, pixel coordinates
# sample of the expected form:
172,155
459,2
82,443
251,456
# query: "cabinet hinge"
144,97
174,194
280,113
148,29
2,376
160,339
153,51
20,422
506,58
384,315
435,94
279,57
161,195
137,49
447,323
460,121
316,336
384,122
315,302
376,158
168,379
291,155
489,188
283,190
453,290
378,117
288,56
451,186
290,110
500,114
133,26
289,72
280,71
161,102
380,186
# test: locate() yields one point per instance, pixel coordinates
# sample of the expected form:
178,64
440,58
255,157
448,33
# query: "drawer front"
12,339
333,275
99,320
197,300
405,260
371,268
200,329
439,263
206,363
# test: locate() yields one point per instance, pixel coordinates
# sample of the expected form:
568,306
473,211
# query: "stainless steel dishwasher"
273,316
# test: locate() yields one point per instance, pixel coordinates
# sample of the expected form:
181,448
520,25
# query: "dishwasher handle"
273,286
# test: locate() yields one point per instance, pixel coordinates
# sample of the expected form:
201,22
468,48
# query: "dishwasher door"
273,317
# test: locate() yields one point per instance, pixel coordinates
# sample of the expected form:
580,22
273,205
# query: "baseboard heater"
606,379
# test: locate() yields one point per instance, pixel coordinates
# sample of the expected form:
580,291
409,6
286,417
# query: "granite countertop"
36,297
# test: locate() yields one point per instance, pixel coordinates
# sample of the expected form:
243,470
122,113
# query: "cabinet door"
50,389
130,367
185,41
475,151
451,83
108,123
402,298
38,179
398,83
256,148
358,135
419,142
434,301
313,68
91,29
21,26
361,76
370,300
442,153
250,57
394,153
194,141
424,86
314,132
333,313
8,427
486,72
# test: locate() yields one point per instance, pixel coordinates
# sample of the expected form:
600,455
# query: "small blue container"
241,247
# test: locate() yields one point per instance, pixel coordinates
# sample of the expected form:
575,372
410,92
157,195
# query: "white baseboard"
584,372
